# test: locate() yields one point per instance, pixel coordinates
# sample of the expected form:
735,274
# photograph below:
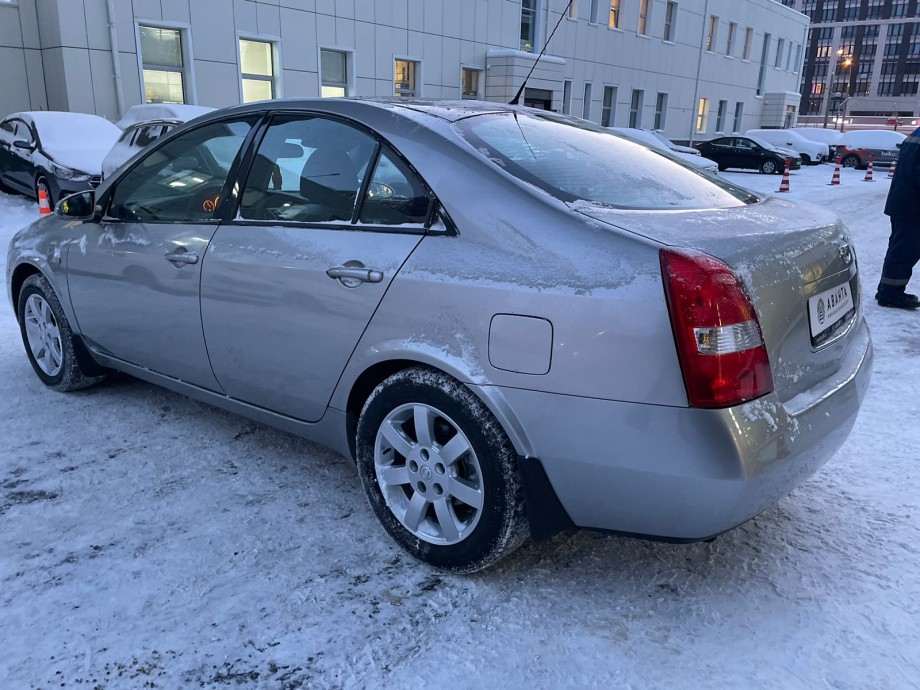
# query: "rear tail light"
719,342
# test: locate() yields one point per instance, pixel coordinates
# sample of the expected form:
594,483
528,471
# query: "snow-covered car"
133,139
60,153
749,153
856,148
514,321
651,139
670,144
823,135
811,152
145,112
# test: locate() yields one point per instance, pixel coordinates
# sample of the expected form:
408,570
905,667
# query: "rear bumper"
682,473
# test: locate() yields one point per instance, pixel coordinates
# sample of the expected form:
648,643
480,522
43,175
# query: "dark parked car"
133,139
59,152
746,152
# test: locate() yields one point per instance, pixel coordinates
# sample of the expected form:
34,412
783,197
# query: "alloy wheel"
43,335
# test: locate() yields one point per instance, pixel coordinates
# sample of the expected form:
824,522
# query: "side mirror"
23,144
79,206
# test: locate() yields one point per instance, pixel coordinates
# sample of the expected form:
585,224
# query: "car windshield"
764,143
661,137
574,160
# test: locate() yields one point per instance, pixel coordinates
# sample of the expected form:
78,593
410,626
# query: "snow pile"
148,540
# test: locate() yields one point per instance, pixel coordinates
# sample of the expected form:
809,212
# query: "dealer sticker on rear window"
829,311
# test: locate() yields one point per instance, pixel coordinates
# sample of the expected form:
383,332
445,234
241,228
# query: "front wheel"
851,161
768,167
48,338
41,184
439,472
806,159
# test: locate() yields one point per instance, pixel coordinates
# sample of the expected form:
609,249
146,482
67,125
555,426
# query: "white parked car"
811,152
145,112
823,135
670,144
651,140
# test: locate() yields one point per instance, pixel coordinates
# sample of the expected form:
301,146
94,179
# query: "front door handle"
181,256
353,275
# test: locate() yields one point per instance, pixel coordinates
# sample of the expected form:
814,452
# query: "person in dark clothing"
903,207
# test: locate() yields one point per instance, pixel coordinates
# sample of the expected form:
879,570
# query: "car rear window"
574,160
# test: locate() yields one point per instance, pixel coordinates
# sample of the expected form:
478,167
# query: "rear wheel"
806,159
850,161
439,471
48,338
768,167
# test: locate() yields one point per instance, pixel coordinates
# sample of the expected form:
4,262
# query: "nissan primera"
514,321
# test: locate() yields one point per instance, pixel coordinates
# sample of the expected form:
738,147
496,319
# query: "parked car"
811,152
60,153
824,135
670,144
648,138
133,139
145,112
749,153
856,148
483,305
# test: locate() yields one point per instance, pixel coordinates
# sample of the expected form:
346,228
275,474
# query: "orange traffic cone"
784,185
44,208
891,168
868,177
836,177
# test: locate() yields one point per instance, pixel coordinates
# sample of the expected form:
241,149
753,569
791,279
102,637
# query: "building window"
469,80
614,21
163,63
595,11
730,40
670,21
609,106
763,63
635,108
257,70
720,116
661,111
797,65
573,10
404,79
748,40
528,25
739,113
702,113
334,66
712,33
586,105
642,30
567,97
780,44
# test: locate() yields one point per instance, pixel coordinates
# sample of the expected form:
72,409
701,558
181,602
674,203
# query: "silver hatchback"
515,322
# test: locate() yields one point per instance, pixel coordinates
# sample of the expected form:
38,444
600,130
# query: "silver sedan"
514,321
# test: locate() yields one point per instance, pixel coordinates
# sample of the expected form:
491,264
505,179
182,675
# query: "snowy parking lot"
147,540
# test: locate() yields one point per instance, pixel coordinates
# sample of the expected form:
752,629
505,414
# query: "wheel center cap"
426,473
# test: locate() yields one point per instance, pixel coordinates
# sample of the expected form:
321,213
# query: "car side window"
307,169
395,196
181,181
147,135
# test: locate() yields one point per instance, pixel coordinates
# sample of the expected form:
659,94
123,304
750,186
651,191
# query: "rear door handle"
181,256
352,276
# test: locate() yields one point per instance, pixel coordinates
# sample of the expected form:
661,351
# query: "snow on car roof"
872,138
161,111
63,130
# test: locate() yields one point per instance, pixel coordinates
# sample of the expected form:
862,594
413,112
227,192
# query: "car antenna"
517,97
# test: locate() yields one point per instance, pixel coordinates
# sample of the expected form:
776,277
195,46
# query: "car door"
747,153
327,217
722,152
134,277
7,136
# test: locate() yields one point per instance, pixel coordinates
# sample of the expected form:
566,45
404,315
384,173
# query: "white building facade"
692,68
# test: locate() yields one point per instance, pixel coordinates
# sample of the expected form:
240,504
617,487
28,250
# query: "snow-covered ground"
147,540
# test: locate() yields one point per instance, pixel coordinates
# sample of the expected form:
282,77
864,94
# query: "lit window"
573,9
334,65
404,78
643,18
470,82
163,65
702,113
257,70
614,21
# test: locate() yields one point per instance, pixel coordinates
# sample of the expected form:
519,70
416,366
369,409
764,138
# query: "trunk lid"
797,264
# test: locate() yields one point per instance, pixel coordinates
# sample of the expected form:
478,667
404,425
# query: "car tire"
768,167
448,493
806,159
48,338
722,168
850,161
42,183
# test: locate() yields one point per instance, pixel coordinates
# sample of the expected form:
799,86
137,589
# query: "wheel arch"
20,274
367,380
